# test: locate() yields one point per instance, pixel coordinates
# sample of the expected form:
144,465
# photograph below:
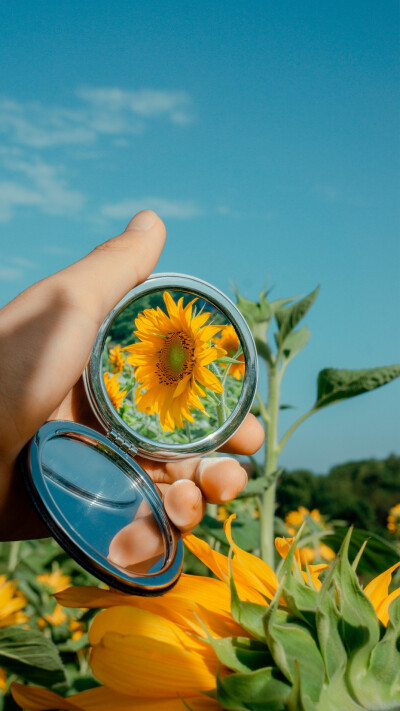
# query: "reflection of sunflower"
116,358
114,391
229,341
171,362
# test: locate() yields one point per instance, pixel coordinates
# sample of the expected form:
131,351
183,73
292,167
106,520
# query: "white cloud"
43,187
181,210
10,273
103,111
145,103
55,249
22,262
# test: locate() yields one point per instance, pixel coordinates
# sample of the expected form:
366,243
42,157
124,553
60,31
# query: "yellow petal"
383,609
283,546
219,565
259,574
378,588
102,699
133,621
191,598
147,668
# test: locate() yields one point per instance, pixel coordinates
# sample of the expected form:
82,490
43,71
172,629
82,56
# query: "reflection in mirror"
101,505
173,366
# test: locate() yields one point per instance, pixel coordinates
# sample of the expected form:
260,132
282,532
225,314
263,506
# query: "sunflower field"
279,608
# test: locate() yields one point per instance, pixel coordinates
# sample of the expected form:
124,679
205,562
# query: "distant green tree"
360,493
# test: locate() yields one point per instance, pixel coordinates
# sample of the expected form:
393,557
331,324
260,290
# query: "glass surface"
101,505
173,366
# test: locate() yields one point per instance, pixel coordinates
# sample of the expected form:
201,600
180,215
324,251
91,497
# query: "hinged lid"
102,508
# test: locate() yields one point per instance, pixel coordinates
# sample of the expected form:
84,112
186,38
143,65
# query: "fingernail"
143,221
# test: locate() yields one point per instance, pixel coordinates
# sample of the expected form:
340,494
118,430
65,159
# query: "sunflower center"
176,358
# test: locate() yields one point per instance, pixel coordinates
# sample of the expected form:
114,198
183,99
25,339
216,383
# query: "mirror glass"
101,504
173,366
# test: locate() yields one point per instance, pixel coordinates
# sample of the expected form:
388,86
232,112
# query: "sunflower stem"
13,557
267,512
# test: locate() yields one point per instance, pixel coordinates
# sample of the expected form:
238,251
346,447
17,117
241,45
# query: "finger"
220,479
47,332
247,439
184,504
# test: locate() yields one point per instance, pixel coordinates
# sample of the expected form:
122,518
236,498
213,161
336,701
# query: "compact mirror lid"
102,508
173,371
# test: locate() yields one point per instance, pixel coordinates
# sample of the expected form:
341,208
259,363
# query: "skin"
46,335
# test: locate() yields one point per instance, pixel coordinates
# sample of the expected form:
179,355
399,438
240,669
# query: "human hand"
46,336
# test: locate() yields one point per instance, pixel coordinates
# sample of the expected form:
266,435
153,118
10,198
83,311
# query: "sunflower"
12,602
114,391
171,362
116,358
229,341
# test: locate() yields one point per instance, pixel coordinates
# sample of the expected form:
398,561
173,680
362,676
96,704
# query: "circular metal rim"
30,465
110,419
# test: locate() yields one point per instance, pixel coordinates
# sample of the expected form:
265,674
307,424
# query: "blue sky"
266,136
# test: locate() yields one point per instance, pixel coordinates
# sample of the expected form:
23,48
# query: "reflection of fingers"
220,479
247,439
184,504
137,545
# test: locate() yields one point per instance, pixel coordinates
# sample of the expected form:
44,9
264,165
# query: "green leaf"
30,655
263,350
287,318
334,385
253,487
256,691
241,654
295,342
379,555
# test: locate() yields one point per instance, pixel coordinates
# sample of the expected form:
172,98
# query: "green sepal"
336,696
241,654
380,686
379,555
360,629
328,621
255,691
293,641
248,615
295,701
360,625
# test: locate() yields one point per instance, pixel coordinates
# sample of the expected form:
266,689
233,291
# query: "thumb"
105,275
47,332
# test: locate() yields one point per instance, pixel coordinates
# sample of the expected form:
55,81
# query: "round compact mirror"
172,374
174,368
